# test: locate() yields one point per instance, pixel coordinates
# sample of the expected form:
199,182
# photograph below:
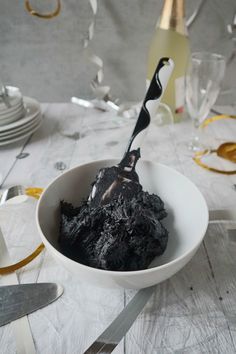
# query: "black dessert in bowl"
119,226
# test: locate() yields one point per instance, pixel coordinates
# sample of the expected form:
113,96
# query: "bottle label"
179,95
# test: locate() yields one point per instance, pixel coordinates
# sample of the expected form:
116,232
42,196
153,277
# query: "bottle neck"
173,16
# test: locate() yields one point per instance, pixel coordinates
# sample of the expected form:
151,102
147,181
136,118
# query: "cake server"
19,300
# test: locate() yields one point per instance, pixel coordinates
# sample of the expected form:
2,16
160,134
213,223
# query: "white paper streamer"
21,328
103,98
100,91
195,13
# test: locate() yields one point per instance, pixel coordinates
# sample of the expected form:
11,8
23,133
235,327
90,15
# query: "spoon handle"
153,96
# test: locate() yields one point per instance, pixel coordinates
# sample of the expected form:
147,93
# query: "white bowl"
187,221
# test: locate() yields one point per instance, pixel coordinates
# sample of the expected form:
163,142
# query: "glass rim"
207,56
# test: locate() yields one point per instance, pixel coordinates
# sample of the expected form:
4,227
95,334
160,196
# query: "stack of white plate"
21,119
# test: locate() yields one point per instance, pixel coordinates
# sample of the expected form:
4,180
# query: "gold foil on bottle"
173,16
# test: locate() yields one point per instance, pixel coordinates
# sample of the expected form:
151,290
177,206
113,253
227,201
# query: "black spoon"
154,93
110,181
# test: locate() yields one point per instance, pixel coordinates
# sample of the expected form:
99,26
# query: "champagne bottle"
171,40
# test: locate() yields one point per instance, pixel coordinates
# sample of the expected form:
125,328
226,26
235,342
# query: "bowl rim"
115,273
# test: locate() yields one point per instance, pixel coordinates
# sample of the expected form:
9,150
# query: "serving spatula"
19,300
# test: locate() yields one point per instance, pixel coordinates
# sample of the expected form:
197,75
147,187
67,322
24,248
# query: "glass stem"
195,139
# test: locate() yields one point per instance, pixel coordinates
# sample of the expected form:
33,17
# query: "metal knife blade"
19,300
111,337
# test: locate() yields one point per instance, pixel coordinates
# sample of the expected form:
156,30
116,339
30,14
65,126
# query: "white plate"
18,134
32,110
20,113
21,127
12,112
20,130
12,109
15,139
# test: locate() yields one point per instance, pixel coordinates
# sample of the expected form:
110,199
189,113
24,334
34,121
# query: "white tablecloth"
193,312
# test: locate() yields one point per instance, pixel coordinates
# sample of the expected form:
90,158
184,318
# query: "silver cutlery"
111,337
19,300
11,192
18,190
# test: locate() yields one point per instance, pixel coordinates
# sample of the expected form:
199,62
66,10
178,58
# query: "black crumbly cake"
119,227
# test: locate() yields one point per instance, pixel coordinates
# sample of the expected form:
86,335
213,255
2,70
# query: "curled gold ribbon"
45,16
101,92
207,121
32,192
226,150
198,157
13,267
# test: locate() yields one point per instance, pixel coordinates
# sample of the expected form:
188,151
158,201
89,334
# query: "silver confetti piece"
22,155
60,165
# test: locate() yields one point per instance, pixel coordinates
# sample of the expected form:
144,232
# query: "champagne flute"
204,76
